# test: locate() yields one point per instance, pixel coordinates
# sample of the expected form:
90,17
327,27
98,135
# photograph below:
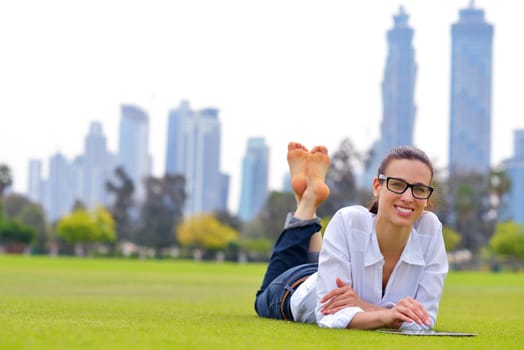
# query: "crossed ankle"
292,221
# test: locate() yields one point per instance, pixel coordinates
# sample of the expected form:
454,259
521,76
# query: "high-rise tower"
59,196
514,202
193,150
97,166
398,89
470,107
35,187
133,149
255,167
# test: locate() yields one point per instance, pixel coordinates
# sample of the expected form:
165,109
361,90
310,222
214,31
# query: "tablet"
427,333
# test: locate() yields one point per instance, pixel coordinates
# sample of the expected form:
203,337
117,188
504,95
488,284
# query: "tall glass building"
97,167
59,196
175,158
193,150
35,186
398,90
398,86
255,169
470,107
133,148
514,202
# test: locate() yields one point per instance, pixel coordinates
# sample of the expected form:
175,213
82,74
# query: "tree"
508,240
471,209
270,220
500,184
205,231
6,179
15,235
228,219
78,204
162,210
14,204
33,215
341,179
451,238
21,208
438,203
83,228
123,203
255,248
106,225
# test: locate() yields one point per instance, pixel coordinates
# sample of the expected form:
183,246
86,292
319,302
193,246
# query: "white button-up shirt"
350,251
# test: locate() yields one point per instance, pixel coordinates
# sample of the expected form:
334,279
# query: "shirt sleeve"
334,261
431,283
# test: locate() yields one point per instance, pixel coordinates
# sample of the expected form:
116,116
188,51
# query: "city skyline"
305,58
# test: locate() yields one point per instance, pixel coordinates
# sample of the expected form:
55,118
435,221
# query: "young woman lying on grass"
377,267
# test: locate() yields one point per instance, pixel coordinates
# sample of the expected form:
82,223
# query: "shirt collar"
412,253
372,251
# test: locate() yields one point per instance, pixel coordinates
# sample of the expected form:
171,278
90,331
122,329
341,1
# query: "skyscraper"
175,157
59,198
35,190
470,107
97,166
255,168
398,89
513,208
133,149
193,150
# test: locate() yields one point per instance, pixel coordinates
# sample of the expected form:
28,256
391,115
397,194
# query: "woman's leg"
301,235
291,250
315,193
302,230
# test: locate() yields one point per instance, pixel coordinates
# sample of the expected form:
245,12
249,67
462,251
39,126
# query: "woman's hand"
406,310
340,298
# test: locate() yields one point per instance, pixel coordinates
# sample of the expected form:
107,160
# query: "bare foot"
316,190
317,169
297,158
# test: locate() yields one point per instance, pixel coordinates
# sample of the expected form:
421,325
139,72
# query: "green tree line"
468,206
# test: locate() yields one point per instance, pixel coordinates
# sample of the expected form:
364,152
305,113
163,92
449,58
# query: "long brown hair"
401,152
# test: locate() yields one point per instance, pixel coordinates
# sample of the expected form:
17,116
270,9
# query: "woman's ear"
376,184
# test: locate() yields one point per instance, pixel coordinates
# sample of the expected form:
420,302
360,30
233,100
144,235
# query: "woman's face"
402,209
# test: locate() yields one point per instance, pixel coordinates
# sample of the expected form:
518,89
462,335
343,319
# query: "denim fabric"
269,301
289,262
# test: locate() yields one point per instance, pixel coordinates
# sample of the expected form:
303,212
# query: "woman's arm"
373,316
335,261
344,296
407,310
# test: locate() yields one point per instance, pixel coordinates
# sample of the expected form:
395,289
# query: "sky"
287,70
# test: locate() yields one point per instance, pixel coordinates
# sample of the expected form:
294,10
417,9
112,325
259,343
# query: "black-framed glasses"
400,186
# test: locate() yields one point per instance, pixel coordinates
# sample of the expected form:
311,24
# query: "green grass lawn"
73,303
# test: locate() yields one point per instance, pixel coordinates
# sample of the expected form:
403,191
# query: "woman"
379,267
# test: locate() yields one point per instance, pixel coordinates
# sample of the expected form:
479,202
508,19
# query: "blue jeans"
288,264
